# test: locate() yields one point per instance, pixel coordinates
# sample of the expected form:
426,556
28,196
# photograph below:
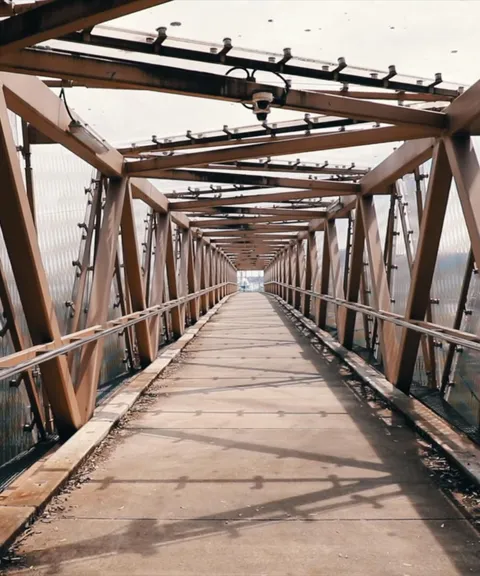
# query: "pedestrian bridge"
254,453
157,416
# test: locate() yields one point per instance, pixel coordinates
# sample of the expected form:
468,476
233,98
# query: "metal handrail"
451,335
100,331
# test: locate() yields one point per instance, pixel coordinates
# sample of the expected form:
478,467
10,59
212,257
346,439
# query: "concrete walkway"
254,458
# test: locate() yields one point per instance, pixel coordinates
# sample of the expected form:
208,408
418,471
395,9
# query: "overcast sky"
419,37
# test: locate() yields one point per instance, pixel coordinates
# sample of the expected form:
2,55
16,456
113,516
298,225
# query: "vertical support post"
205,277
162,233
133,273
380,289
346,269
277,274
173,289
27,155
182,280
324,282
427,351
199,271
94,216
217,275
291,255
424,265
316,279
388,252
124,301
284,274
148,256
354,278
212,269
457,323
331,235
466,171
364,299
310,272
92,353
194,304
299,263
21,241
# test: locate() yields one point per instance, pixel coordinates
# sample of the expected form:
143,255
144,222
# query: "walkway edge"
30,492
456,446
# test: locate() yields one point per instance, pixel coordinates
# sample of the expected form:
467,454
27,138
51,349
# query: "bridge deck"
253,457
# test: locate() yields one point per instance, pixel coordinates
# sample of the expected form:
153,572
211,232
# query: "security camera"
261,104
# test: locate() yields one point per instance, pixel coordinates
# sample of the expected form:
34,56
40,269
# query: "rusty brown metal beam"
255,180
173,288
329,141
466,172
196,205
380,288
37,104
93,225
132,266
464,112
162,232
125,74
253,231
193,277
457,322
242,221
399,96
427,350
354,278
92,354
47,21
336,275
321,319
286,212
407,157
424,264
298,166
21,241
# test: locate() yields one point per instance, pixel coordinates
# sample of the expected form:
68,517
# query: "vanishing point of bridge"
154,419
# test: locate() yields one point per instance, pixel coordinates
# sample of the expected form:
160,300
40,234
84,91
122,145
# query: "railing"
21,361
457,337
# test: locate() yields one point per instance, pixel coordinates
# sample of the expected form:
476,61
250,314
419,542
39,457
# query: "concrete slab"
256,464
277,399
29,492
203,547
259,498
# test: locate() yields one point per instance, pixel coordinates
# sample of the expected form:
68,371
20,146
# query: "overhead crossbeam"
291,166
218,56
329,141
46,21
196,205
227,211
121,73
256,180
264,132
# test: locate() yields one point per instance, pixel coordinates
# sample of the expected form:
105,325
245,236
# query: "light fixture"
82,132
84,135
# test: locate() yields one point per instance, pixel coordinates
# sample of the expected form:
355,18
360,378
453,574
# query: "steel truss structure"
252,211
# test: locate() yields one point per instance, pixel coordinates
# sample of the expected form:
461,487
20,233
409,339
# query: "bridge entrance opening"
250,280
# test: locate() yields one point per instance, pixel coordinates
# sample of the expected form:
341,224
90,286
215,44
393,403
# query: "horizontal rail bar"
442,333
331,73
39,354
